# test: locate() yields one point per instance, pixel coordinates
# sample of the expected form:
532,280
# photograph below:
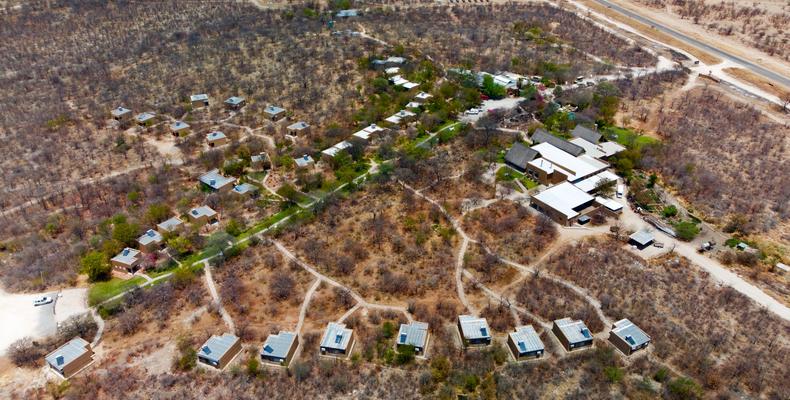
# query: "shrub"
186,359
686,230
684,388
661,375
669,211
614,374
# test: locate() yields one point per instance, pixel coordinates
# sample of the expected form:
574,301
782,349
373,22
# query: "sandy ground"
17,311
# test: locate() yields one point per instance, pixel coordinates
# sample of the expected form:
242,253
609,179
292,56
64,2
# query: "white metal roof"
392,70
589,184
279,345
542,164
127,256
527,340
474,328
202,211
67,353
410,85
299,126
564,198
630,333
150,236
215,180
216,346
198,97
334,150
178,125
118,111
414,334
574,331
304,160
336,336
216,135
578,167
643,237
170,224
609,203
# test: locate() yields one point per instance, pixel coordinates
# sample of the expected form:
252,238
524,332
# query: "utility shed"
337,340
628,337
70,358
280,348
525,343
572,334
413,334
641,239
474,331
586,133
218,351
541,136
519,155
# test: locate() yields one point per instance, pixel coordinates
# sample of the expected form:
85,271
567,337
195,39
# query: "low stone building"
627,337
525,343
216,138
414,334
338,340
235,103
128,260
199,100
150,241
474,331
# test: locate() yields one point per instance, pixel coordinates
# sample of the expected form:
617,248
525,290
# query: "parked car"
41,301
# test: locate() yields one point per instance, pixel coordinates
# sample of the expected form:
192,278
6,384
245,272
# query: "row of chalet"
525,342
338,340
573,169
122,114
367,134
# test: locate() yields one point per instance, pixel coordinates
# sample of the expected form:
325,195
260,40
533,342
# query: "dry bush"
705,330
499,317
551,301
281,286
723,156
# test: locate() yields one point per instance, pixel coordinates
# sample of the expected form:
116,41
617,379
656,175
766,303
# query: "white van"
620,189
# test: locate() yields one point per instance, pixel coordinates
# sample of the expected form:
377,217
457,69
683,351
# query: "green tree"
234,227
491,89
125,233
180,245
96,265
405,355
156,213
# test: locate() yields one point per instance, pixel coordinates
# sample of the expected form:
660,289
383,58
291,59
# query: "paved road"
771,75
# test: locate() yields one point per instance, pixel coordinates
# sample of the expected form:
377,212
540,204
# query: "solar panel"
484,331
268,348
206,350
586,333
338,339
522,347
403,338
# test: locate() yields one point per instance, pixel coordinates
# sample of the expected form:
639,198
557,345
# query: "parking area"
20,318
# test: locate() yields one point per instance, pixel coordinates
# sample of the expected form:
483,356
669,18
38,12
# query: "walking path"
212,289
305,303
361,302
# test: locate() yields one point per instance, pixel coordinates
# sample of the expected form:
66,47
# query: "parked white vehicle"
41,301
620,190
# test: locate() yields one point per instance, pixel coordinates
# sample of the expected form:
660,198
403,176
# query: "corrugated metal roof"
519,155
198,97
216,135
527,340
336,336
304,161
574,331
630,333
201,211
278,345
474,328
234,100
541,136
414,334
299,126
67,353
586,133
273,110
642,237
216,347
